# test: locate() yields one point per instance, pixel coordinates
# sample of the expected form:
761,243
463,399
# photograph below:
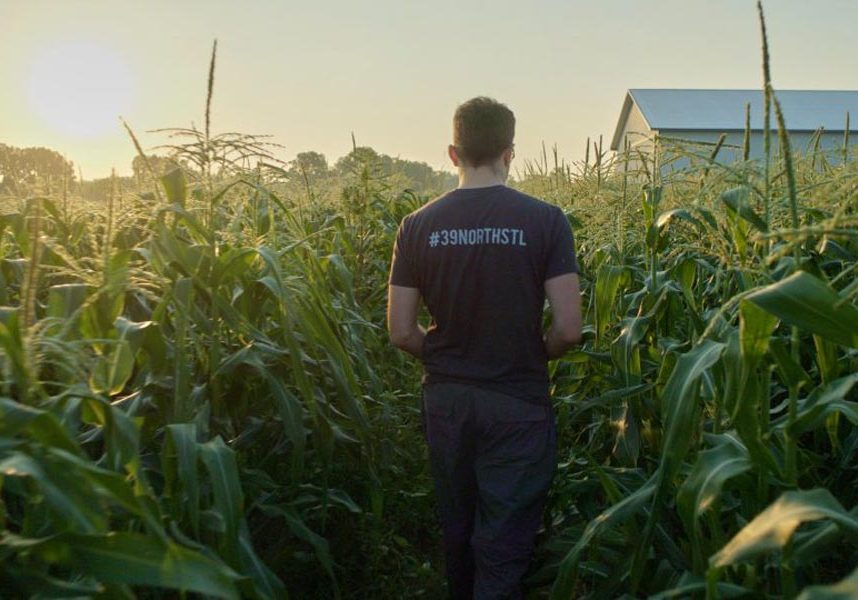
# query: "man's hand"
403,303
564,297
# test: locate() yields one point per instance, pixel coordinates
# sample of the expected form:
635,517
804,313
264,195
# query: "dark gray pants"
493,458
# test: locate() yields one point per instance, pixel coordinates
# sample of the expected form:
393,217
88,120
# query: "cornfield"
198,395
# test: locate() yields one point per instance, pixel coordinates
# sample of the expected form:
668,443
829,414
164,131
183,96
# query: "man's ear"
451,152
507,158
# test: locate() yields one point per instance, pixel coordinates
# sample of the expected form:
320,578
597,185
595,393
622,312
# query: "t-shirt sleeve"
561,248
402,269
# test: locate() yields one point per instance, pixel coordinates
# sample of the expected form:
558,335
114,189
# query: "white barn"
703,115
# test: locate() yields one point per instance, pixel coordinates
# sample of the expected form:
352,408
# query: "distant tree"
101,189
360,157
311,164
423,177
31,166
416,175
160,165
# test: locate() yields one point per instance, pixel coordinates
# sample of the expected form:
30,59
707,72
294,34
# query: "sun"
79,88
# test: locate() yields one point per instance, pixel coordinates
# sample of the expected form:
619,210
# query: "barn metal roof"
724,110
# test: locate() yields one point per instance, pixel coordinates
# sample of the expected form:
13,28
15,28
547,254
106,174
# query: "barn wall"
636,131
673,151
830,144
639,137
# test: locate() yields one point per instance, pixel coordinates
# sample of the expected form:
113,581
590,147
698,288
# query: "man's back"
480,257
483,258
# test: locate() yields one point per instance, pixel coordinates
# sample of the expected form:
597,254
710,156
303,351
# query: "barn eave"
628,103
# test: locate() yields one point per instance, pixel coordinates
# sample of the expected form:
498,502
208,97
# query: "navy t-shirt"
480,258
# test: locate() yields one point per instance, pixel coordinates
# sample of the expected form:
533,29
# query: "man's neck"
485,176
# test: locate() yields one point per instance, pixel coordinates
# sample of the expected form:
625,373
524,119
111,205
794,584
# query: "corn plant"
724,406
198,395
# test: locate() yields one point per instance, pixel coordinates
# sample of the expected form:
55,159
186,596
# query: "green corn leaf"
179,463
808,549
265,583
823,401
116,276
680,405
608,281
19,419
145,335
73,504
624,349
12,345
746,349
300,530
845,589
119,430
189,260
175,186
113,370
219,461
627,443
183,293
691,586
292,416
681,214
791,372
608,399
617,514
135,559
812,305
773,527
66,299
755,330
684,274
288,405
826,359
738,201
13,269
198,231
112,486
28,582
702,487
97,318
680,402
233,264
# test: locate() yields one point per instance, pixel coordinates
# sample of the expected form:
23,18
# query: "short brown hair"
482,129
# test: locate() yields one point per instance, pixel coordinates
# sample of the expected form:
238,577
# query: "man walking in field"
483,258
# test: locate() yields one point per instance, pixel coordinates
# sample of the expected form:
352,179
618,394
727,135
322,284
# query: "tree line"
39,170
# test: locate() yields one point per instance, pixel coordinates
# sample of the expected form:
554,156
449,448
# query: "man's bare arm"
564,297
403,304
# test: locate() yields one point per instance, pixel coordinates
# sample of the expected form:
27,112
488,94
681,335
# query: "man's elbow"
398,339
570,335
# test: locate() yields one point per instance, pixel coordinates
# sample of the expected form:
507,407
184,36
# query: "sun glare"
80,88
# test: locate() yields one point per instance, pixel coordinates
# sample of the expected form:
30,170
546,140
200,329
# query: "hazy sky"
311,72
